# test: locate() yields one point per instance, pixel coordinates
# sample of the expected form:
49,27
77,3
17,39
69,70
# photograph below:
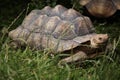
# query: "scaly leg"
78,56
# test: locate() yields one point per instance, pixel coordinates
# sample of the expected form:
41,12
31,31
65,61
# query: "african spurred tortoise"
59,29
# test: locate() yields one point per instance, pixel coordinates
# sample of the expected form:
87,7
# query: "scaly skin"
85,52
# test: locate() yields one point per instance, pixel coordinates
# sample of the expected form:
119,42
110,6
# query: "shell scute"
101,8
51,24
46,10
30,18
37,24
83,26
70,14
64,30
117,3
57,10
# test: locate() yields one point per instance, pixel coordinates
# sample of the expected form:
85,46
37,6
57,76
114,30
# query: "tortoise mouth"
102,45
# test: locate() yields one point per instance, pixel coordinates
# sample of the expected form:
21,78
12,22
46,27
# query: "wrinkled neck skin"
93,44
94,49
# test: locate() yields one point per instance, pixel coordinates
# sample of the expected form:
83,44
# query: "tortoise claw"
14,44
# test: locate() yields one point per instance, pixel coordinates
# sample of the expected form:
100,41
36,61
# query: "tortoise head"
98,40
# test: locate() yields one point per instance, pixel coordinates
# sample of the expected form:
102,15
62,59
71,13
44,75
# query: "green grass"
25,64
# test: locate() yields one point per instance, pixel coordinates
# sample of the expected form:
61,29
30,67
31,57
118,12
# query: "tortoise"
59,30
101,8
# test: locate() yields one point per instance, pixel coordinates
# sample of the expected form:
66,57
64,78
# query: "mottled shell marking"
101,8
57,28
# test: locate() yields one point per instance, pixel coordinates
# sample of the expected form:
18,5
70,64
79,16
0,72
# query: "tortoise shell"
57,28
101,8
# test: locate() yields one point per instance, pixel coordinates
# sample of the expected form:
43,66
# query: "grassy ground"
18,64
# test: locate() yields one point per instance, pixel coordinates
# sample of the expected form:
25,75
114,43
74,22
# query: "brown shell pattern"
55,28
101,8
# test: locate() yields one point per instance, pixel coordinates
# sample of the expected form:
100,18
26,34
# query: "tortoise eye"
100,38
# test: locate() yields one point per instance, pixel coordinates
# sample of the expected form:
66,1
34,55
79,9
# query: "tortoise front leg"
14,44
80,55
